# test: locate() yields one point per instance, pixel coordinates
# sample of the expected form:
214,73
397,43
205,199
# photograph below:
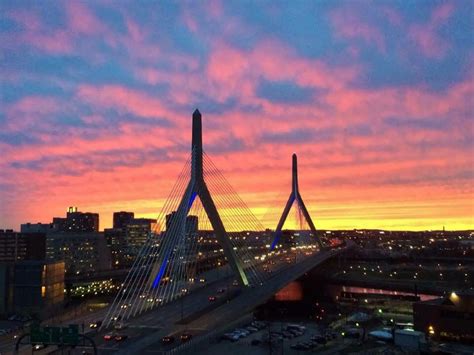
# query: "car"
300,346
109,336
288,335
239,334
95,324
120,325
212,298
186,337
202,280
235,283
295,332
312,343
121,337
242,331
320,340
166,340
37,347
301,328
258,324
230,336
296,346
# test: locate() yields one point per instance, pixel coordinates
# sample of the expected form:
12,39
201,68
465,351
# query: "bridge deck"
244,303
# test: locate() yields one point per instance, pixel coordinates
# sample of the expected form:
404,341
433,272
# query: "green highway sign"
54,335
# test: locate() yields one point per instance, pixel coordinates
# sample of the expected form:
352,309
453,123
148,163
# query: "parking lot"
277,337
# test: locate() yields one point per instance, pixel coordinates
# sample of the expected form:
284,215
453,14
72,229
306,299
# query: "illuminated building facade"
15,246
83,253
32,287
127,237
76,221
449,318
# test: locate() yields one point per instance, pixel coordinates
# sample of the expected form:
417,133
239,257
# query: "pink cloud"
35,35
29,20
348,24
81,19
428,41
123,98
426,36
135,31
442,12
23,114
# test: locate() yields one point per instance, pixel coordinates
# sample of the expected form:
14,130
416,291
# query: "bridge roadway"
145,332
198,314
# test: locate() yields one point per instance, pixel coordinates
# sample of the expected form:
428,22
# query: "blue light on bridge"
160,274
275,241
191,200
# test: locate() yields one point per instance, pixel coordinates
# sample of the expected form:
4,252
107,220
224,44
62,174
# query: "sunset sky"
376,98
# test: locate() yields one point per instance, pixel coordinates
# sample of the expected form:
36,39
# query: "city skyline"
96,102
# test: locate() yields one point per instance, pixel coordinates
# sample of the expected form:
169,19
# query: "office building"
122,219
76,221
192,223
38,228
83,253
31,287
136,234
15,246
127,237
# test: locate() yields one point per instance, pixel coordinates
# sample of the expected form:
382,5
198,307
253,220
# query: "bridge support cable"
147,254
138,293
173,256
238,217
164,262
141,294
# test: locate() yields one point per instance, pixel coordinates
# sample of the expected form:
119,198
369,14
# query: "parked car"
244,332
230,336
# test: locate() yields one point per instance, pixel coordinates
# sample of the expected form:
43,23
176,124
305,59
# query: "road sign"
54,335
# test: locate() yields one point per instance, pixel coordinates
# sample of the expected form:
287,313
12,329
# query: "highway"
199,315
145,332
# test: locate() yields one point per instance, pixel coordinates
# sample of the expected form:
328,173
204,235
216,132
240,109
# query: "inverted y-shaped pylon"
294,196
196,187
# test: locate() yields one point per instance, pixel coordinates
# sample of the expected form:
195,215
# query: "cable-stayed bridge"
207,237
